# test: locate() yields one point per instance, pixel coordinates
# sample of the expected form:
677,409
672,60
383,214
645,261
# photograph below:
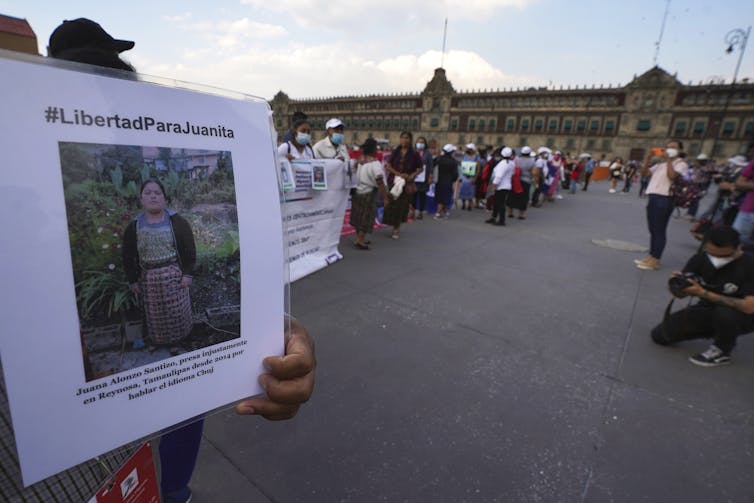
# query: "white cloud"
314,71
229,36
346,15
178,18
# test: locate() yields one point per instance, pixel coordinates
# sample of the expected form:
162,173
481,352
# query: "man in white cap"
447,174
744,222
332,147
502,177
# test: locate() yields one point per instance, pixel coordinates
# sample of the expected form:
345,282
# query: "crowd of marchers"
403,180
718,196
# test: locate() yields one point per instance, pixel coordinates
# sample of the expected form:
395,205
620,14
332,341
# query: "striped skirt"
167,305
396,212
363,211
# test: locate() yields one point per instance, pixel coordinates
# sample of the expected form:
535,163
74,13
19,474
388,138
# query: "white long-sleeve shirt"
502,174
326,149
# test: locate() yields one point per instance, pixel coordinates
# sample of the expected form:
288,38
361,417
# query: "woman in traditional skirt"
404,163
158,257
447,174
520,200
370,178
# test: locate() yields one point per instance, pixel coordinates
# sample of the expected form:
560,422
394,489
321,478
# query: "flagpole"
662,31
444,37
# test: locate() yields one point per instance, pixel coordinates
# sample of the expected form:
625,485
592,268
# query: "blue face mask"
303,138
419,146
337,138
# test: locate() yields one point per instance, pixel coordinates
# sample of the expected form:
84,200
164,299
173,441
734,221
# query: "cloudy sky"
337,47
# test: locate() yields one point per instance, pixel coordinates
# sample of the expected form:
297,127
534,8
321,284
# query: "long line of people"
409,179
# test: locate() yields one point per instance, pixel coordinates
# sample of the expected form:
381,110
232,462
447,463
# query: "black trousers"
587,176
498,208
421,198
704,320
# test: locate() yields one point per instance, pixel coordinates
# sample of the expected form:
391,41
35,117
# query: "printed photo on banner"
319,176
287,178
468,168
155,250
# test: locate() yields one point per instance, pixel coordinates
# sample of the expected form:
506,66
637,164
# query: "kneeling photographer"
722,278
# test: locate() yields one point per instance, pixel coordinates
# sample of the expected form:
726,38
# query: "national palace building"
715,119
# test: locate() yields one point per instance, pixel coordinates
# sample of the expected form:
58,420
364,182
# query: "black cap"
81,33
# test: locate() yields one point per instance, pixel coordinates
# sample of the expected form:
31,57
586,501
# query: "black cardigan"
184,244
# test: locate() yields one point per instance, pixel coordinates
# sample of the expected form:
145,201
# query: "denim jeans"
744,224
659,210
178,451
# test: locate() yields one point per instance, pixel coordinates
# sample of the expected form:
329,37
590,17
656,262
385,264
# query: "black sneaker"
713,357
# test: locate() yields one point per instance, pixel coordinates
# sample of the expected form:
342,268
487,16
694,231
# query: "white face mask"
720,262
671,152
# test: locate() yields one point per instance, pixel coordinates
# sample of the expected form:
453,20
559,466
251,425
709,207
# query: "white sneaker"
558,196
612,191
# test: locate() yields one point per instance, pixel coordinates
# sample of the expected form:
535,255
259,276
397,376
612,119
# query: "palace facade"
715,119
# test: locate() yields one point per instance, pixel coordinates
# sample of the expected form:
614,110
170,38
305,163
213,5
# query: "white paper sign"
314,218
422,176
82,376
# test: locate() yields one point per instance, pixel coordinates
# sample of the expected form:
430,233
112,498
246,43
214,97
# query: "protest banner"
80,376
314,216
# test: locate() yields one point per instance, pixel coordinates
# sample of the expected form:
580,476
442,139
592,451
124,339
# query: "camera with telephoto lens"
677,284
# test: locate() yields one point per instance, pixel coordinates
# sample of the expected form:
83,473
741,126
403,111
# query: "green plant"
128,191
103,291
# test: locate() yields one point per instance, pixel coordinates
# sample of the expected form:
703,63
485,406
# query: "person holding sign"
298,147
333,146
288,380
158,257
364,199
470,167
404,163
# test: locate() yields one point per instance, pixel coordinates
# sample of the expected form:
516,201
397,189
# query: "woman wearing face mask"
660,204
423,179
299,147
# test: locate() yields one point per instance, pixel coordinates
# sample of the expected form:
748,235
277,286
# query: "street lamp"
734,39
